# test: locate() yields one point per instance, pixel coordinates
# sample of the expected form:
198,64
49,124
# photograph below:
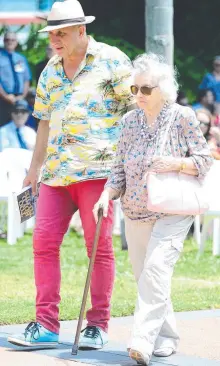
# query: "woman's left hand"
165,164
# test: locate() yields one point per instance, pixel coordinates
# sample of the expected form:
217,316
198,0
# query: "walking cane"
88,280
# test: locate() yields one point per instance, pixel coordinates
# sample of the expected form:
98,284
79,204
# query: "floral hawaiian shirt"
83,113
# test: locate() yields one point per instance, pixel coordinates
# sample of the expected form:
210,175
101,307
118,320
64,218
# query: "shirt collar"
7,53
14,127
93,47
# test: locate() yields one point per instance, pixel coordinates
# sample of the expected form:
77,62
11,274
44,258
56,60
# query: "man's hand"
11,98
32,180
38,156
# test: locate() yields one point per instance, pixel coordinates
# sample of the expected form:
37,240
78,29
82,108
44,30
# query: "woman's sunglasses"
145,90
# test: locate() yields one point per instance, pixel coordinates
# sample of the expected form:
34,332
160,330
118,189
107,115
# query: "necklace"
148,135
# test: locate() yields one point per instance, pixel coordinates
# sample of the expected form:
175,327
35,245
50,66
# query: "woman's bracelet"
183,165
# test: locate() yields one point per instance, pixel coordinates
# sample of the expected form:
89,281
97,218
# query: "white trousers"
154,249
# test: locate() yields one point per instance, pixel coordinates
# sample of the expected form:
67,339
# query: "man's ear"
82,30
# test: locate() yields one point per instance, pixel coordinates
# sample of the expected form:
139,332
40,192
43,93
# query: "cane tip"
75,349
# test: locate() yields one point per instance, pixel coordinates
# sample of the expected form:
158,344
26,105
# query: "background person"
211,80
15,76
182,98
210,132
30,98
15,134
205,100
205,121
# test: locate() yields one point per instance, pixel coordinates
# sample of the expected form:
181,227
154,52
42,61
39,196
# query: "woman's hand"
103,202
165,164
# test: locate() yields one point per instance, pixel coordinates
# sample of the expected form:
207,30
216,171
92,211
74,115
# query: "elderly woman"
154,240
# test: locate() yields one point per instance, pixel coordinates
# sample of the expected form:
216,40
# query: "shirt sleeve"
42,108
117,179
205,84
122,78
198,148
27,72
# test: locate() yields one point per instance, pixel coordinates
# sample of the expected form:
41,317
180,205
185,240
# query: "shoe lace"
92,332
34,329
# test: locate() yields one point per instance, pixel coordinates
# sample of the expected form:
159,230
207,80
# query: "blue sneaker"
35,335
93,338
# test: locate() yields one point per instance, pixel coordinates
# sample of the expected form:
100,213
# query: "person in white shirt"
15,134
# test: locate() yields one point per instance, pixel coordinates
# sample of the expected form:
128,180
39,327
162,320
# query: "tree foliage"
122,24
196,32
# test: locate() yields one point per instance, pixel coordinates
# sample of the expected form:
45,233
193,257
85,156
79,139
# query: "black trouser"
5,111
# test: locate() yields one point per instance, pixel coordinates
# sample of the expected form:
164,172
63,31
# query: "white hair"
159,72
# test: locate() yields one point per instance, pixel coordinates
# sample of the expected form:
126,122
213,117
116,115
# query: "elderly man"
81,95
15,76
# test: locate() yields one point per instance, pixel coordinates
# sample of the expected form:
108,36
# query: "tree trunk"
159,28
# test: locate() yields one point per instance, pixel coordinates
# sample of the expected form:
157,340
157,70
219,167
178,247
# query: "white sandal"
163,352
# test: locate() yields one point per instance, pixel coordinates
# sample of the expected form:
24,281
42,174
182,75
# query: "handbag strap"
169,125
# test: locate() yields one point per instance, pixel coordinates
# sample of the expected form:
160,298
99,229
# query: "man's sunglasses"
20,111
10,40
145,90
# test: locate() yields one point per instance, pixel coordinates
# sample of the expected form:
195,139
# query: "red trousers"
55,208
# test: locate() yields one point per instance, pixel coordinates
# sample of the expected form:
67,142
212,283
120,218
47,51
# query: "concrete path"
200,345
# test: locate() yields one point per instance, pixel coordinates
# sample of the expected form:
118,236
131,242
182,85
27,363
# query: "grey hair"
162,74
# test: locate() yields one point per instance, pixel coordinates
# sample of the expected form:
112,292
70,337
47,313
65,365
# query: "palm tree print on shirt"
106,88
102,155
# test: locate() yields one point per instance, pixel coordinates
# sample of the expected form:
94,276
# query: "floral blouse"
134,155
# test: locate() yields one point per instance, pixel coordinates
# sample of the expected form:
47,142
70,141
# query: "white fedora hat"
65,14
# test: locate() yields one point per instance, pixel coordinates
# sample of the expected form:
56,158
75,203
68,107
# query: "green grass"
196,282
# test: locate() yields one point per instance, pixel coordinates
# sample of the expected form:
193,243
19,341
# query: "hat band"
66,21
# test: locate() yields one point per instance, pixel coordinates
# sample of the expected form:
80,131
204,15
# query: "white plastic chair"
14,164
212,216
6,198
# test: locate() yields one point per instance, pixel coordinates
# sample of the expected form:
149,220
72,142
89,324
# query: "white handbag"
175,193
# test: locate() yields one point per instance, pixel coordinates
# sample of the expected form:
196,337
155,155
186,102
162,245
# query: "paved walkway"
200,345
